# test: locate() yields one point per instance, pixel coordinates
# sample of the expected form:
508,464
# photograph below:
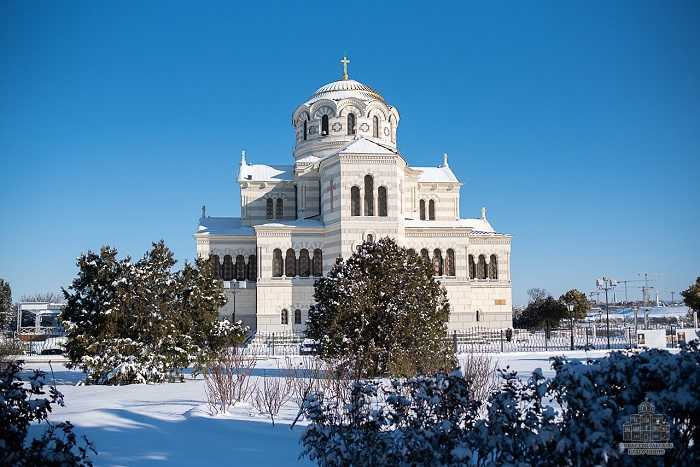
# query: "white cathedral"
348,184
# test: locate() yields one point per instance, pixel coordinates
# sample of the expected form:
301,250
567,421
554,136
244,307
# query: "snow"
223,226
477,225
265,173
435,174
365,146
138,424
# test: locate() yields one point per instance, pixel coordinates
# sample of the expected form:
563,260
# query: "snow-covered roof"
265,173
436,174
344,89
223,226
365,146
313,222
309,159
477,225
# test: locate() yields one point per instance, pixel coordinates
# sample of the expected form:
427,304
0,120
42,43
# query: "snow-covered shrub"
480,370
142,322
227,380
304,376
270,395
576,418
19,407
381,312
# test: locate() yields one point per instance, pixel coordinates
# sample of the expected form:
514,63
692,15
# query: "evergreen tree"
133,322
691,297
540,311
5,304
381,312
578,299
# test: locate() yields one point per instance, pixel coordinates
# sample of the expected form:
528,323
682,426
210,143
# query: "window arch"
324,125
297,316
375,126
277,263
279,208
411,251
431,210
304,263
381,198
425,255
306,131
369,195
472,267
477,315
240,268
369,238
422,209
215,265
284,317
270,208
351,124
355,201
481,267
493,267
252,268
450,263
290,263
317,263
228,268
437,262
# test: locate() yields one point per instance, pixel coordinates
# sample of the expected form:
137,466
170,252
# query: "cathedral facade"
348,183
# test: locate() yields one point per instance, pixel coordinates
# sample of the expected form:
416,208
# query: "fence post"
546,335
572,334
501,340
273,344
454,340
586,338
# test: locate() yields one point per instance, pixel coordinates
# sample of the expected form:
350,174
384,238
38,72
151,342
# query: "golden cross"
345,62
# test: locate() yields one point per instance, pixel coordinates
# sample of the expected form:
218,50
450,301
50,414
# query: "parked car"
308,347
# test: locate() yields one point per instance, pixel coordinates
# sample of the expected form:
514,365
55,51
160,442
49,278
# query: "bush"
576,418
227,380
19,407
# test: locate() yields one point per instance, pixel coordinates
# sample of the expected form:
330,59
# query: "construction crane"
626,282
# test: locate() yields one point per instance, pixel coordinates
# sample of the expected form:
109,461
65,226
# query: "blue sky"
576,123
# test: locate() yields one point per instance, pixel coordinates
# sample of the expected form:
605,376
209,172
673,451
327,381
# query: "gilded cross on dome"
345,63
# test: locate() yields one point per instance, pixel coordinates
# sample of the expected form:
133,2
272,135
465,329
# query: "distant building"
39,319
349,183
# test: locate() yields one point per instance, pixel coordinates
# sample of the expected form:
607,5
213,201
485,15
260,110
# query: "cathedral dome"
345,89
340,112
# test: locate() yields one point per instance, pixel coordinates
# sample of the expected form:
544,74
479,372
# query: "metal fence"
586,337
274,343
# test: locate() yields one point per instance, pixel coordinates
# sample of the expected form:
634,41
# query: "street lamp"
606,284
233,285
570,307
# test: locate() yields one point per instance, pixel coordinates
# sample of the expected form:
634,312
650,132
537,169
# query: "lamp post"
570,307
606,284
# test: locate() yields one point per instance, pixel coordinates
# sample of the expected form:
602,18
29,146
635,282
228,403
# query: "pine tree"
381,312
5,304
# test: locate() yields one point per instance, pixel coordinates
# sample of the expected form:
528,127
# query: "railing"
275,343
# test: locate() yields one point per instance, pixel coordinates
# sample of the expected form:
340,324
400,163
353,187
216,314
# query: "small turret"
483,214
444,160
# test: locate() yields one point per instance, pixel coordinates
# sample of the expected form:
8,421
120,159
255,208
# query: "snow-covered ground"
170,424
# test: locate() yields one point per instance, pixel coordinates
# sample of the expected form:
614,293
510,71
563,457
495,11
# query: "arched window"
437,262
381,198
305,130
270,208
355,201
472,267
318,263
450,263
422,209
375,126
252,268
370,238
279,208
277,263
215,265
304,263
351,124
424,254
324,125
493,267
240,268
481,267
431,210
477,315
297,316
228,268
284,317
369,195
411,251
290,264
